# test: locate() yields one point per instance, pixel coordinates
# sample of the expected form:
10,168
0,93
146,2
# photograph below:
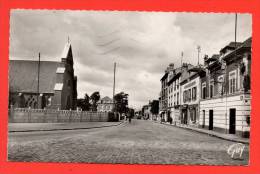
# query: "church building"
43,84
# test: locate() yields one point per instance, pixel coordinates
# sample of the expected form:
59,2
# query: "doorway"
184,116
210,119
203,118
232,121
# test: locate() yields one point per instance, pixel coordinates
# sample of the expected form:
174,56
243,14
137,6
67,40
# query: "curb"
78,128
209,134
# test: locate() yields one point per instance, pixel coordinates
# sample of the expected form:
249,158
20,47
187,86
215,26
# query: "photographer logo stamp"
236,150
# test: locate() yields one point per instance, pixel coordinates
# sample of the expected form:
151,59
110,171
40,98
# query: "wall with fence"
25,115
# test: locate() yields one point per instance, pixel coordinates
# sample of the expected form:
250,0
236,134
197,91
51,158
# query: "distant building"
226,93
177,109
105,104
163,110
146,112
57,83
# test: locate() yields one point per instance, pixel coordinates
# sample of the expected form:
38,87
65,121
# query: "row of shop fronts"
214,96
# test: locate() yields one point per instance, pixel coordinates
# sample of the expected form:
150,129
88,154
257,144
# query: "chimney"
206,57
170,68
185,65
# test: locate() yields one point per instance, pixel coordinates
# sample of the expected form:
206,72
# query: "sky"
142,44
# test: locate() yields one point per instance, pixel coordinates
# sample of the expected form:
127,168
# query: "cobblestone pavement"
141,142
20,127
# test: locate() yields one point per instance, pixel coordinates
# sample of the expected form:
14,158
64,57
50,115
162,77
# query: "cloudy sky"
142,44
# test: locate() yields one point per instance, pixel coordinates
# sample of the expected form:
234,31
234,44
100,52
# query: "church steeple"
68,39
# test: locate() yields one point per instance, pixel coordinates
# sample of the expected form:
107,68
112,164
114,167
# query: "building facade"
105,105
190,91
146,112
164,111
226,97
56,87
174,95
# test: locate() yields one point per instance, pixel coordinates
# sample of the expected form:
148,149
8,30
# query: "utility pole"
235,30
181,58
114,85
226,90
198,47
38,80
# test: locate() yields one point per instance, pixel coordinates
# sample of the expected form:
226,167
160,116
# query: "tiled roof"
245,45
164,76
177,73
185,74
231,45
23,75
106,98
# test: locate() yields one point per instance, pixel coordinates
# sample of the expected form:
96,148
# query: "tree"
94,98
83,103
121,102
131,112
155,107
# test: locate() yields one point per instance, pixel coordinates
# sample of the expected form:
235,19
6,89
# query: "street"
138,142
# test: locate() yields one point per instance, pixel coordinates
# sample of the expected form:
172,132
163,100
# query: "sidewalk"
229,137
32,127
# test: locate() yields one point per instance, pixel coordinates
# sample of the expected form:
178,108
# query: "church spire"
68,39
66,49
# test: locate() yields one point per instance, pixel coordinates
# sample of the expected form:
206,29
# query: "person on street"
129,118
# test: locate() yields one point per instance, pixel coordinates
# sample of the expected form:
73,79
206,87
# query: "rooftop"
23,75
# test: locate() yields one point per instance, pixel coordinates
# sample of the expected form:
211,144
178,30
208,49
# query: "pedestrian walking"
129,117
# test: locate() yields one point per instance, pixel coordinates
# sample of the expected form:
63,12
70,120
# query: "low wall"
25,115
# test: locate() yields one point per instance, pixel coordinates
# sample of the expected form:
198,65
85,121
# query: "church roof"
23,75
65,51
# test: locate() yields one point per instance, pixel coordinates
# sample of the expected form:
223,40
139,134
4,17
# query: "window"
221,85
211,88
177,98
184,96
177,81
232,85
189,99
174,85
204,90
232,82
211,91
174,99
194,93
